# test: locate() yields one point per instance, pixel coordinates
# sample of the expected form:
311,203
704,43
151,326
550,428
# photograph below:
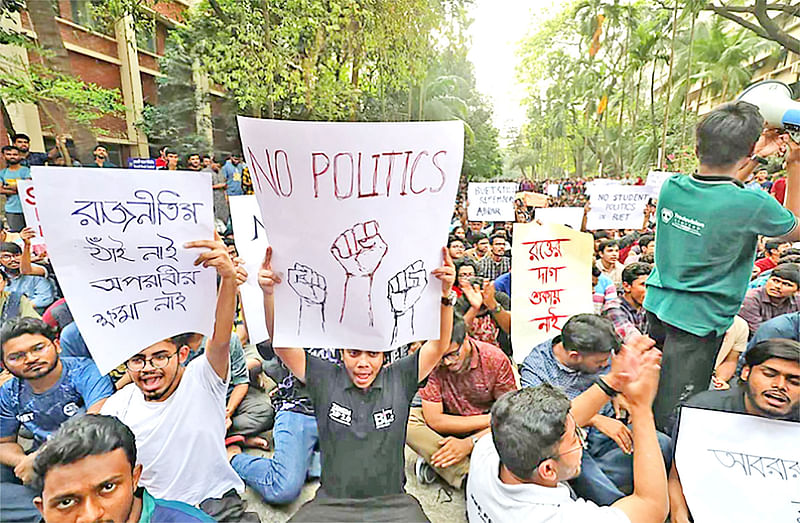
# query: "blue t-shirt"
233,177
156,510
80,386
13,204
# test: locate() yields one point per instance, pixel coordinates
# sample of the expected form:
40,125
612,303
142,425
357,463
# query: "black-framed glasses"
580,435
18,357
157,361
452,357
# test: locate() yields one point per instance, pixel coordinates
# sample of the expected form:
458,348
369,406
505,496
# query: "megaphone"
774,100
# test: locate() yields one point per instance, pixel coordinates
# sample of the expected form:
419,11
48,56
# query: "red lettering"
278,172
441,171
336,176
389,174
316,173
258,170
377,158
405,172
31,199
413,170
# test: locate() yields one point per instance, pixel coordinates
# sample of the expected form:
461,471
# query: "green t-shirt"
706,236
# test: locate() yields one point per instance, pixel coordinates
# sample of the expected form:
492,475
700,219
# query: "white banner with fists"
357,215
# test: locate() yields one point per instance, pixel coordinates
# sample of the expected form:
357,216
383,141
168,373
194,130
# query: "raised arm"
25,265
792,200
293,358
218,348
431,353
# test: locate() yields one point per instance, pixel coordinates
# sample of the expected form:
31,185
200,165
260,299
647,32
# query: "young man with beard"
14,171
178,413
627,314
27,158
778,296
193,162
87,471
770,388
495,264
101,158
45,391
362,411
455,406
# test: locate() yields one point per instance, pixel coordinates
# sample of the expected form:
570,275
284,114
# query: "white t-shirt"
180,442
491,501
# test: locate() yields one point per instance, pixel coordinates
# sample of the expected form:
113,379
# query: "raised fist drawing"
359,250
404,290
311,287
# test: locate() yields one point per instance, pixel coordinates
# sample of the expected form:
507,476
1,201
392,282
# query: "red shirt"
475,390
766,264
779,190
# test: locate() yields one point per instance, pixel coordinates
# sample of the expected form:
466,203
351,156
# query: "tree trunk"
9,125
653,106
48,36
669,81
688,83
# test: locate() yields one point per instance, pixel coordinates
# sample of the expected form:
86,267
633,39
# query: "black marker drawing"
312,289
359,250
404,291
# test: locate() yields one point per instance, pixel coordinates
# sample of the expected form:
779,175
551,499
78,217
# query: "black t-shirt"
362,433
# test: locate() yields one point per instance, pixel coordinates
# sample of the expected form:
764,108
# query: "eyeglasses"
9,256
452,357
580,435
158,361
36,350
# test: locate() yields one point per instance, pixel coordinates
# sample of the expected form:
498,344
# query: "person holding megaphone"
707,229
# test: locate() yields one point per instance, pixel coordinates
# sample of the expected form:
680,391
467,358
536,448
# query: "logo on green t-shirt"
666,215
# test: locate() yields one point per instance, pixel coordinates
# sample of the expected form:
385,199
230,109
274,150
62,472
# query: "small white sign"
617,207
491,202
570,216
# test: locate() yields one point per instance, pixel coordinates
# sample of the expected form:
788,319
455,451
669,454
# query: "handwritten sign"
735,467
357,214
116,242
655,179
251,242
551,278
27,197
491,202
617,207
571,216
533,199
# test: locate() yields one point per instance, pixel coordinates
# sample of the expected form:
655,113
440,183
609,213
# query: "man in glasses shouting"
177,412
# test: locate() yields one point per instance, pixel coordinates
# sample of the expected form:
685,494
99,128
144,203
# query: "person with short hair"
172,161
27,158
38,289
573,362
87,471
773,250
536,445
193,162
161,161
495,263
778,296
708,229
100,154
45,391
9,176
455,246
481,247
770,388
626,313
455,406
232,169
608,262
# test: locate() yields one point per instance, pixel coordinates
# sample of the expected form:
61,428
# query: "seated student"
536,445
481,247
608,262
486,312
178,413
455,406
627,314
773,250
605,292
45,391
496,263
572,362
770,388
87,471
37,288
646,245
362,412
733,345
455,246
778,296
13,304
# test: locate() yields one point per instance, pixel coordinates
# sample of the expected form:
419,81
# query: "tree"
756,17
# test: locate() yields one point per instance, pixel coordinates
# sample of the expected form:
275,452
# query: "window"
83,14
146,35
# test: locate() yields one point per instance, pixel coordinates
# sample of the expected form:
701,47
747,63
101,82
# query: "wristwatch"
759,159
449,300
497,309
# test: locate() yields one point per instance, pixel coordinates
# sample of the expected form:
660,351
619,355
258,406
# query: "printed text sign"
551,279
491,202
251,242
735,467
357,214
617,207
116,242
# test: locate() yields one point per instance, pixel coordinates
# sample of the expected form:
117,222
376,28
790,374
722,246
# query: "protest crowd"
697,306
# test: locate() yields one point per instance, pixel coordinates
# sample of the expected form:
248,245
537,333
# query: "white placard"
491,202
571,216
251,242
116,243
594,184
27,196
357,215
655,179
617,207
552,190
735,467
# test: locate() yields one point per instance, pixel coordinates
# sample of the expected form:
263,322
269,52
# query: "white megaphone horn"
774,101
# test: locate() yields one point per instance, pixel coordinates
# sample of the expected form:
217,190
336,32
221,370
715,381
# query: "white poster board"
655,179
116,243
357,215
491,202
551,280
552,190
571,216
735,467
593,185
251,242
617,207
27,196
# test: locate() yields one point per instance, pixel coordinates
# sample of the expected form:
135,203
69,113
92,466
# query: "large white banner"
116,240
617,207
357,215
251,242
491,202
551,280
735,467
27,196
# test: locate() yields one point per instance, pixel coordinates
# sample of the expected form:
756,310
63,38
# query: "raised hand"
27,234
359,250
404,290
311,287
267,279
